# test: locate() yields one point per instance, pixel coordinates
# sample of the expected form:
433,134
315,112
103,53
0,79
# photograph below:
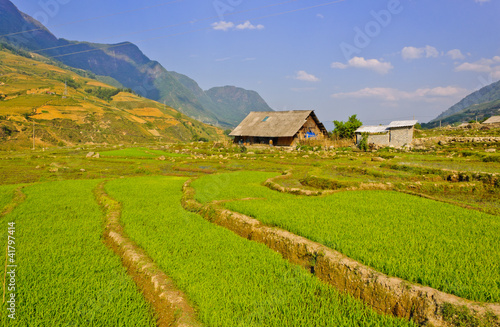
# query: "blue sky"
382,60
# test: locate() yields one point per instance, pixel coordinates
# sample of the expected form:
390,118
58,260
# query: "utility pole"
439,124
34,111
65,90
33,135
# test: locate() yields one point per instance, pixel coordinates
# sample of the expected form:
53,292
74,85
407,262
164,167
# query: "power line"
174,25
105,47
97,17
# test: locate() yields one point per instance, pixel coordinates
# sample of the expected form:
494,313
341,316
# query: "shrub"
363,144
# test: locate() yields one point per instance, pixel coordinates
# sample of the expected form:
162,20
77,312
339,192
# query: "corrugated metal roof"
386,128
372,129
403,123
492,120
274,123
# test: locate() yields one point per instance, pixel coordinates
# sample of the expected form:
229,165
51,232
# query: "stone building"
284,128
397,133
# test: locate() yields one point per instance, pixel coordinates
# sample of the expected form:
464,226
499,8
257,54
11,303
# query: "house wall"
310,126
401,136
379,139
281,141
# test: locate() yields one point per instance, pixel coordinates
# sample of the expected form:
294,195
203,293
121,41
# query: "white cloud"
392,94
304,76
362,63
490,66
249,26
227,26
481,1
455,54
320,16
223,26
409,53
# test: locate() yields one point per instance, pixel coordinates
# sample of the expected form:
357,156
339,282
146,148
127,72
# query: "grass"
140,153
66,275
432,243
232,281
6,194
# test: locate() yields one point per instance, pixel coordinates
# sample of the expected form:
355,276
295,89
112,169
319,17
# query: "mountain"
486,94
123,62
68,108
476,112
477,105
234,103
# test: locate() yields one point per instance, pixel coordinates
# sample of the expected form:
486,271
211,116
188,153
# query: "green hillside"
475,112
33,92
234,103
119,64
486,95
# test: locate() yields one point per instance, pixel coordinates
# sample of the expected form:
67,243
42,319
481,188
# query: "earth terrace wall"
171,305
388,295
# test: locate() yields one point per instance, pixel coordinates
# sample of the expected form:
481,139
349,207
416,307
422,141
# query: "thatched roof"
492,120
275,123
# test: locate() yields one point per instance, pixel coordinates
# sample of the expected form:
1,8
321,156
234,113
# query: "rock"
82,170
162,158
53,170
306,156
378,159
37,167
97,156
490,150
250,152
90,154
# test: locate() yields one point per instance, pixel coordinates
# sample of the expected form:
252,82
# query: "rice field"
65,275
436,244
139,153
230,280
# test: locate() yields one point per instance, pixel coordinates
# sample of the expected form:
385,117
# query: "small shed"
492,120
284,128
397,133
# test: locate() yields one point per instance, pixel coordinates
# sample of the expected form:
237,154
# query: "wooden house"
285,128
397,133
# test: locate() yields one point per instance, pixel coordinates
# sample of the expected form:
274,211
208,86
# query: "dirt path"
171,305
389,295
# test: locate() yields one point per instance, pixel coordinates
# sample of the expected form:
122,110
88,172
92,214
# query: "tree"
345,130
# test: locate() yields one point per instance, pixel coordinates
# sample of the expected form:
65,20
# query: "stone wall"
401,136
379,139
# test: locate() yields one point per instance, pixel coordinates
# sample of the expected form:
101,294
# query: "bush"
345,130
363,144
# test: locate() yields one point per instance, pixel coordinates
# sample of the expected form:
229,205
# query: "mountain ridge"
69,109
488,93
123,61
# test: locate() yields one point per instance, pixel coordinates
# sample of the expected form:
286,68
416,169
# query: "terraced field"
232,281
65,274
436,244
